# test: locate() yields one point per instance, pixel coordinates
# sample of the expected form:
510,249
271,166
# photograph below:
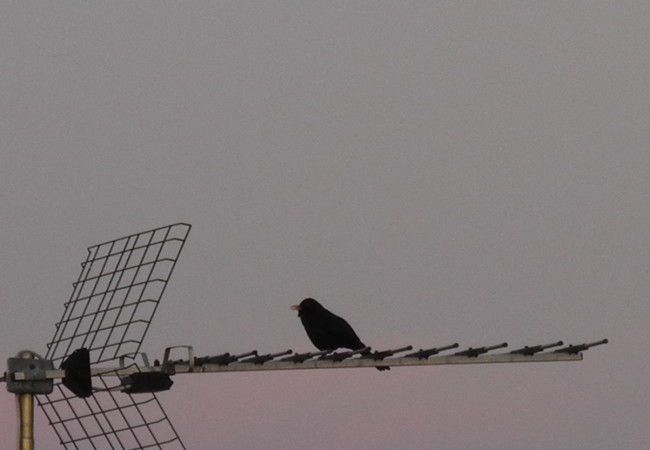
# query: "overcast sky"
435,172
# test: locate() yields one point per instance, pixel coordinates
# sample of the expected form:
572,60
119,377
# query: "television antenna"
100,334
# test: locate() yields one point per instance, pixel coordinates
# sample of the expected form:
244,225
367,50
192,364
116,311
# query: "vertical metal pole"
25,408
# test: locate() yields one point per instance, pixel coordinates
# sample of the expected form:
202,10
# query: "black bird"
326,330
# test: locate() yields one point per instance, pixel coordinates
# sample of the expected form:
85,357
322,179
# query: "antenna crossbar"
319,360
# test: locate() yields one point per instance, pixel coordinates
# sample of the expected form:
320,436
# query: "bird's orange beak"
295,307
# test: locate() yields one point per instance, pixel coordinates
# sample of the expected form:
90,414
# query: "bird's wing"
344,333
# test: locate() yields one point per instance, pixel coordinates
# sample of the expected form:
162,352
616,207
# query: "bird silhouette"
326,330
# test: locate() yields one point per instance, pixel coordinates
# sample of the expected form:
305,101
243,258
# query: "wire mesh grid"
110,420
109,312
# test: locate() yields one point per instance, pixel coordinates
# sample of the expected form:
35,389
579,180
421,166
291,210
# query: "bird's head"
306,306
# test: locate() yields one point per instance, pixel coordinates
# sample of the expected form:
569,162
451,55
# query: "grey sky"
432,171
